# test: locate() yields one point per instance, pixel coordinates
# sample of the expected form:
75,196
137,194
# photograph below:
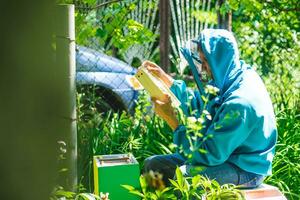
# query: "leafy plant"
59,193
148,190
285,96
110,27
142,135
267,32
185,188
195,125
152,186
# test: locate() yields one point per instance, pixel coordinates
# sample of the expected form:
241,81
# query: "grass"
184,188
143,135
286,166
285,95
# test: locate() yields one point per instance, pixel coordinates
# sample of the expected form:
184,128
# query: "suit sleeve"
228,130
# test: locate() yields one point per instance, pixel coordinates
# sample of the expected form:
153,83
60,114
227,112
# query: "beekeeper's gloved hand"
166,111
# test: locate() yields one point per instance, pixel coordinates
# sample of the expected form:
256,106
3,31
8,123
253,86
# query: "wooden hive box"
112,171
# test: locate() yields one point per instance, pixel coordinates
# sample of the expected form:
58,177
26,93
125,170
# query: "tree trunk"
224,21
164,42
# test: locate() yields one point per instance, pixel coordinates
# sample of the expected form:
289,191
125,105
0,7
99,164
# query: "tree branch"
105,3
98,6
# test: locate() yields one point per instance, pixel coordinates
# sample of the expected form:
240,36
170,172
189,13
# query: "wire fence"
102,80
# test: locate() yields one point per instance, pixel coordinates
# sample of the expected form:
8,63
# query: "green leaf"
128,187
87,196
101,33
196,181
136,192
174,183
234,4
143,183
67,194
179,177
90,1
203,151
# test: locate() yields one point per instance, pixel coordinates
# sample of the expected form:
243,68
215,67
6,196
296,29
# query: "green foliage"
143,135
148,192
268,33
111,28
209,16
185,188
59,193
194,126
268,38
286,99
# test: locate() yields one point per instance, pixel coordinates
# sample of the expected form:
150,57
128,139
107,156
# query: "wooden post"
164,43
224,21
65,77
229,21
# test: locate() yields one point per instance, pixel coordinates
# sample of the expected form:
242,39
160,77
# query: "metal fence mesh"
102,80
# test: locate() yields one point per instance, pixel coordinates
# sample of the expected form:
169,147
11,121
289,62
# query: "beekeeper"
241,148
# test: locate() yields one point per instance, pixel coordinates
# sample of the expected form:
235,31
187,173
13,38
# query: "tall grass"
285,94
286,166
109,133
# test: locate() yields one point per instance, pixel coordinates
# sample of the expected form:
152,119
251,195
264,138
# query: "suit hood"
220,49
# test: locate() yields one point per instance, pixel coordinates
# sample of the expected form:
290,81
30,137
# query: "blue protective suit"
243,126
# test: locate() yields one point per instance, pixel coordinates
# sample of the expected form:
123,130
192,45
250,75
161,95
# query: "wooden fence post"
164,43
224,21
65,77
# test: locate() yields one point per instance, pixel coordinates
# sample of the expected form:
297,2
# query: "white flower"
104,196
191,120
211,90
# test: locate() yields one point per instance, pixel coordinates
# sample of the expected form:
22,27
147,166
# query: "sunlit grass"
142,135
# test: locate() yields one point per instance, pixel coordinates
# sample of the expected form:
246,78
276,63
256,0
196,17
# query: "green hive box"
112,171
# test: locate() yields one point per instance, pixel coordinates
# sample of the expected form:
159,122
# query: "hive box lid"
114,160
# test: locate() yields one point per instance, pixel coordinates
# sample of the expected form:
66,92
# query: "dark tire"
96,98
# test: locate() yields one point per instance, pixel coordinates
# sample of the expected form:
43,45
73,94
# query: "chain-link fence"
103,80
116,28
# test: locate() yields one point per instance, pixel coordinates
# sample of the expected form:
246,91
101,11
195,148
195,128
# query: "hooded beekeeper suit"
242,126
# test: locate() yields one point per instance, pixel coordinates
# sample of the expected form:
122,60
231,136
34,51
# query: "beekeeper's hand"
156,70
165,110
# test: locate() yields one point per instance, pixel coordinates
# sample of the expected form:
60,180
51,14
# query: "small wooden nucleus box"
112,171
